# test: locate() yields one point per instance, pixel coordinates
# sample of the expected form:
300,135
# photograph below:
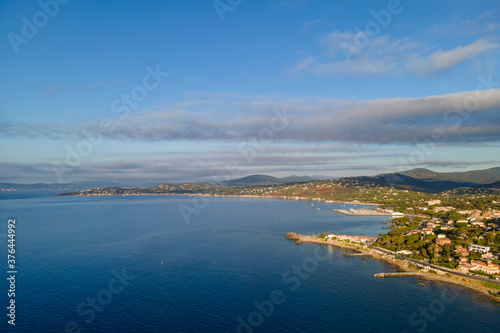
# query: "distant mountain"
492,185
486,176
401,181
265,180
59,186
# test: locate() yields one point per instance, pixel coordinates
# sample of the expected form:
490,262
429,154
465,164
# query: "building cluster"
476,215
485,266
474,221
354,239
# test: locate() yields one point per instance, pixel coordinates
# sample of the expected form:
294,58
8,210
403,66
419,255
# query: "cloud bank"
459,117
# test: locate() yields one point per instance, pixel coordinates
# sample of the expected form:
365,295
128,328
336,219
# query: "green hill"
486,176
265,180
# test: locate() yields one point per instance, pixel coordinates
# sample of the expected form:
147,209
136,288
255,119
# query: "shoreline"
400,264
229,196
403,266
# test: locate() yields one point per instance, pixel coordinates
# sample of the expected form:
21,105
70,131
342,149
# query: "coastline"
403,265
229,196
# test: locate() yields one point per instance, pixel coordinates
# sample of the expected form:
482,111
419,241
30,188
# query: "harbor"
368,212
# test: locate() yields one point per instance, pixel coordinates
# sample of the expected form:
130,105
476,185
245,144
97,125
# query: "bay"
207,264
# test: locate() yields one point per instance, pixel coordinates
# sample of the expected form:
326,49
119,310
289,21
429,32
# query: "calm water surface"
136,264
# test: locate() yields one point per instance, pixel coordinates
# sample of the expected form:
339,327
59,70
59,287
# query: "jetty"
384,275
355,254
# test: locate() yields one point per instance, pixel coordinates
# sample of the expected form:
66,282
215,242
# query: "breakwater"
384,275
355,254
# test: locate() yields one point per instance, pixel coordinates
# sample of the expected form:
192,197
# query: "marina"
369,212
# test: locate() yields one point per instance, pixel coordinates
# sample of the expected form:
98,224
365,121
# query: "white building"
478,248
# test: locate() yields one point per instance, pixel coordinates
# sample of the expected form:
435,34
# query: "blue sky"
175,91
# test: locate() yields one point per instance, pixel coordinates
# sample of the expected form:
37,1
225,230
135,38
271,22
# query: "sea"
209,264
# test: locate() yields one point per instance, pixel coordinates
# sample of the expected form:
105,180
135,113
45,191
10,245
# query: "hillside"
401,181
265,180
486,176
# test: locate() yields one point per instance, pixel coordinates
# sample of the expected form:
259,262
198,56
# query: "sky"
172,91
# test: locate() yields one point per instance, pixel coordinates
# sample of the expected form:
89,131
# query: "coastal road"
426,263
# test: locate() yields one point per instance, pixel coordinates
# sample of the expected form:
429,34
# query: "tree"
490,237
398,241
446,252
433,251
474,256
409,240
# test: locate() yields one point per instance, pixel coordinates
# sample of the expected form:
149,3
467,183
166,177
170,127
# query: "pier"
384,275
355,254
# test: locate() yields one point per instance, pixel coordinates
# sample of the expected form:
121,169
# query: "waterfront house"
465,268
486,268
492,269
478,265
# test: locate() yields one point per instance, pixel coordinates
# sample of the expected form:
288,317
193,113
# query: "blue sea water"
196,264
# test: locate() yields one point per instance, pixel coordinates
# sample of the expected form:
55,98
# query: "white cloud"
305,63
353,53
442,60
358,54
483,24
309,24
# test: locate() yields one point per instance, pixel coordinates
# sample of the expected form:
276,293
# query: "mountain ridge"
418,179
265,180
485,176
